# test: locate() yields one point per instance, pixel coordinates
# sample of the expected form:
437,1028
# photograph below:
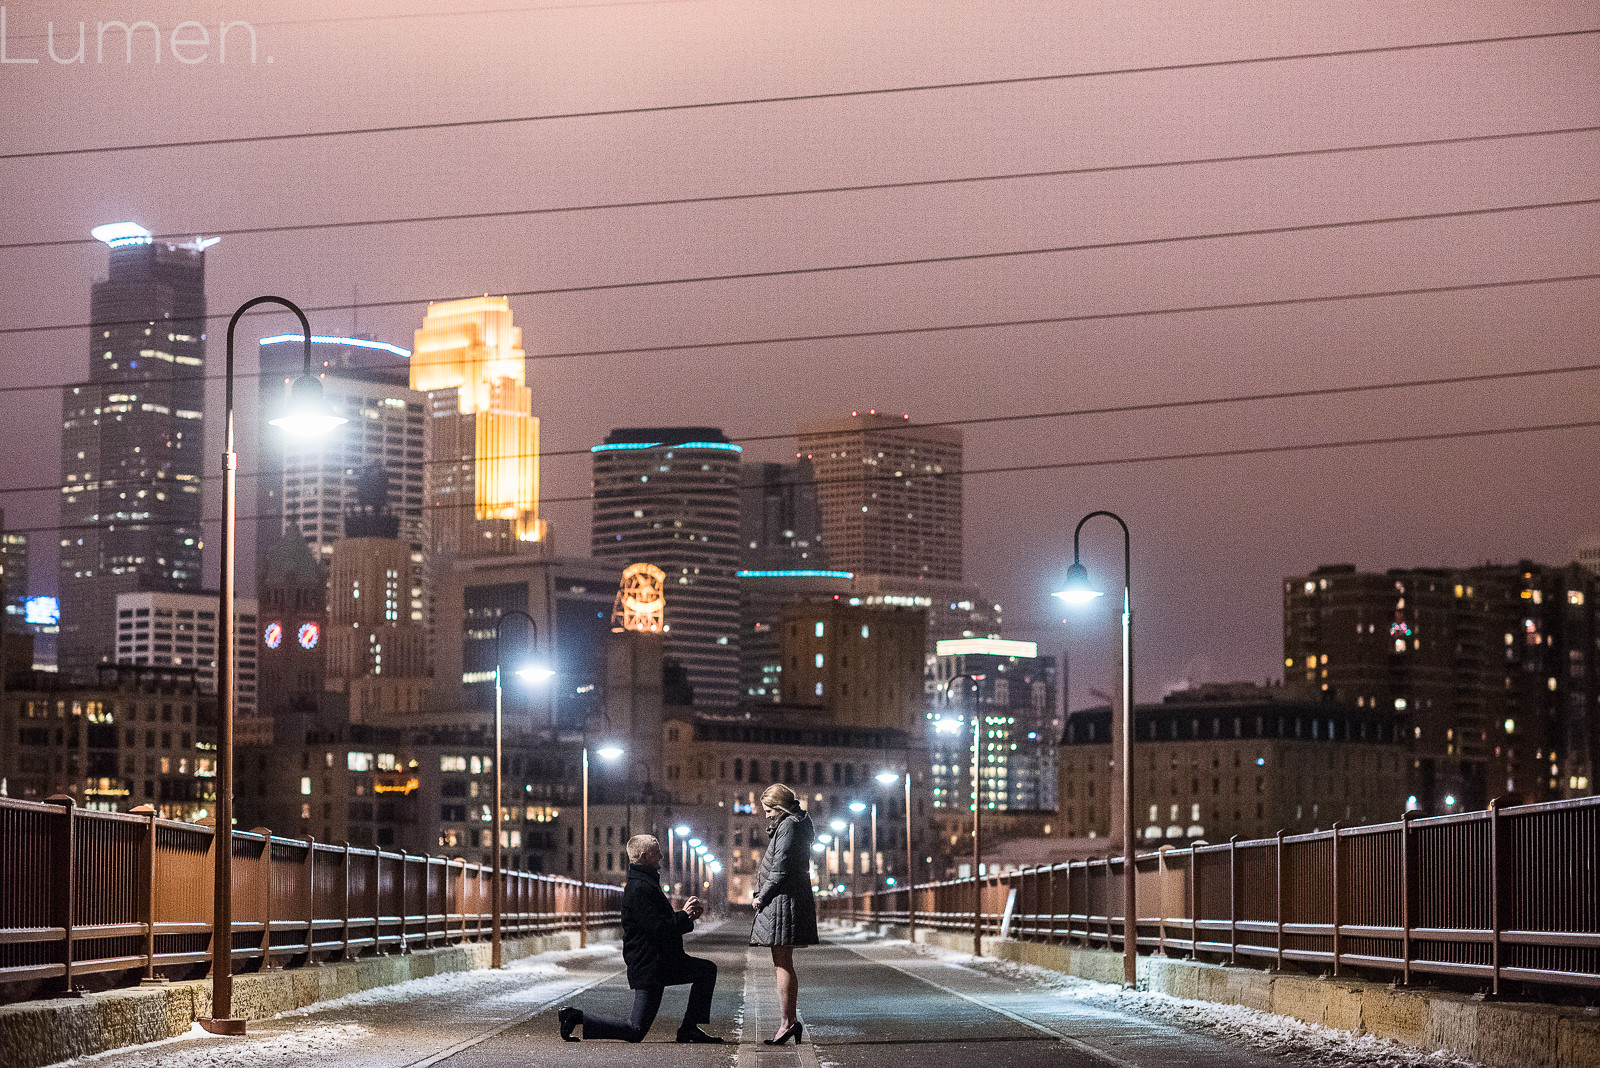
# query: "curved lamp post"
534,673
307,414
1078,591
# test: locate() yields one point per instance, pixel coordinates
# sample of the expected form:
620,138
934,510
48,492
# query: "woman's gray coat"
786,913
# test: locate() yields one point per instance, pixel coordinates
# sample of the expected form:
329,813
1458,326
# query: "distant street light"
1078,591
307,415
607,753
888,778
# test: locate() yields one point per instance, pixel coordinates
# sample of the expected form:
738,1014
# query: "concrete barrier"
36,1033
1500,1034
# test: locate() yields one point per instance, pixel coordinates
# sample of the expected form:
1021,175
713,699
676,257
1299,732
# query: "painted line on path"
1075,1043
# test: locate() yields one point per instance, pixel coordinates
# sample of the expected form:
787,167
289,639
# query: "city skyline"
1209,608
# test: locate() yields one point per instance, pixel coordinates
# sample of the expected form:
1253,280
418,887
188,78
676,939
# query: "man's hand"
693,908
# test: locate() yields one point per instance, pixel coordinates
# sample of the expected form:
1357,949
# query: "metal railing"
1507,894
86,892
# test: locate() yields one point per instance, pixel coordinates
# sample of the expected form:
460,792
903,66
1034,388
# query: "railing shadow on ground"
102,898
1497,897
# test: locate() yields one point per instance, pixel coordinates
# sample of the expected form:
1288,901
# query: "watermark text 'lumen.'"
137,40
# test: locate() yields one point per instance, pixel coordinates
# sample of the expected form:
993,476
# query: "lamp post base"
226,1026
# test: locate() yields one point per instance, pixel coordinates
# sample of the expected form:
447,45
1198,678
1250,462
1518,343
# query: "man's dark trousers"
647,1002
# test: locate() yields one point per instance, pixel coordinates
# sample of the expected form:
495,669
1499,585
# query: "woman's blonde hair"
780,796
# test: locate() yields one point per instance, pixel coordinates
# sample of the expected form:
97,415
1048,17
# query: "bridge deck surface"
867,1003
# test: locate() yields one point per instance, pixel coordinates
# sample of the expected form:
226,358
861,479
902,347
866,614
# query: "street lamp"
977,807
682,830
307,415
533,672
1078,591
887,778
607,753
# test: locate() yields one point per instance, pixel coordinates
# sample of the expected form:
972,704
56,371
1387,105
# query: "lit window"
1399,704
358,761
819,628
819,689
305,784
1574,596
819,664
1511,726
866,632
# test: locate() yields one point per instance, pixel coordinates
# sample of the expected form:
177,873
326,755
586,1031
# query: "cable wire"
989,420
869,187
826,269
1057,465
792,98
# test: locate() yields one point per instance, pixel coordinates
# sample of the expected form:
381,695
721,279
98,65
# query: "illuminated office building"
889,493
1021,727
483,471
307,484
14,577
179,630
131,439
669,496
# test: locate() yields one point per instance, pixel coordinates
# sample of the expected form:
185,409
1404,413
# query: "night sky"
1212,538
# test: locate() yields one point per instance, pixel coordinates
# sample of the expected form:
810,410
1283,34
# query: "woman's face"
773,811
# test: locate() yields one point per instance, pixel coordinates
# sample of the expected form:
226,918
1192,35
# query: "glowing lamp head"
838,825
682,829
535,673
858,806
888,778
307,414
700,850
819,847
609,752
694,843
1077,591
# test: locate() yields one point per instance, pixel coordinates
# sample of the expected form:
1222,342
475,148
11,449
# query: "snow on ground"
197,1049
1280,1036
520,987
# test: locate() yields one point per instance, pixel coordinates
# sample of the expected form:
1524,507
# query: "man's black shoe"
692,1033
569,1020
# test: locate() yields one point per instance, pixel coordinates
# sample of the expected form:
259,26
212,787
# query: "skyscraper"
780,526
179,630
132,439
889,494
307,483
13,577
483,471
669,496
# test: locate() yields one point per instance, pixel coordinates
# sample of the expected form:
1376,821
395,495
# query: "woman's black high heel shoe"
794,1032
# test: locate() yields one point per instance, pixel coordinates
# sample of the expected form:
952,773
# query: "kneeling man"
652,947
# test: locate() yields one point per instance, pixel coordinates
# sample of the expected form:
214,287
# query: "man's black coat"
652,933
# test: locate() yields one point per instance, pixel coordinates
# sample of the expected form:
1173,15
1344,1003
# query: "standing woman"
786,913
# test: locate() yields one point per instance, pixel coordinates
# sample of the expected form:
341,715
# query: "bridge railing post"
63,884
1408,887
147,891
1278,907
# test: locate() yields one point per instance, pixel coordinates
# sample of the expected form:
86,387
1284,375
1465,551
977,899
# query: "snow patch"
1281,1036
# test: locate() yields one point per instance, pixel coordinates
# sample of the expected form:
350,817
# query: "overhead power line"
792,98
868,187
1054,465
827,269
1065,413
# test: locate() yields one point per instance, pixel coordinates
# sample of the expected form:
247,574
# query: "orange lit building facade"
482,483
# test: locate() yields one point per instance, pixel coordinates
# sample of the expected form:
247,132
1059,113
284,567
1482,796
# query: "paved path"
867,1003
